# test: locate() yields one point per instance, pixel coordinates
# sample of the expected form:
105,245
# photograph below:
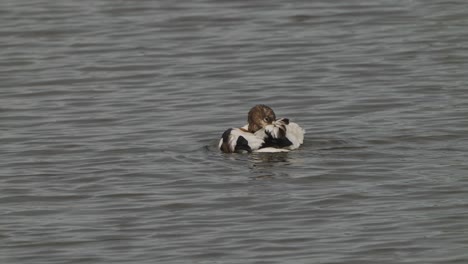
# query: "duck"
262,133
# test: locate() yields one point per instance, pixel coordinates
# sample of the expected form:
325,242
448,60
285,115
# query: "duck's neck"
253,128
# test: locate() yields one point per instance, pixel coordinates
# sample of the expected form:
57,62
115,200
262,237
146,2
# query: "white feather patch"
254,142
294,132
272,150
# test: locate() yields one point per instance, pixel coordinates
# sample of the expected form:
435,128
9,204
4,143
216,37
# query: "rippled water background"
110,112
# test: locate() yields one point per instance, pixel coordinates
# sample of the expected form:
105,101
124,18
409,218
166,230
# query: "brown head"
259,117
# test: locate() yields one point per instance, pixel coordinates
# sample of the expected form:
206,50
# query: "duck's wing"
238,140
283,134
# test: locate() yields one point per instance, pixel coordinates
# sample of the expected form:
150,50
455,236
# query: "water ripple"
110,114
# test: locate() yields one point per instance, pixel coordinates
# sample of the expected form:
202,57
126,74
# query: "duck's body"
263,133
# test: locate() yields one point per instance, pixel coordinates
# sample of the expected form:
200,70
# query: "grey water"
110,113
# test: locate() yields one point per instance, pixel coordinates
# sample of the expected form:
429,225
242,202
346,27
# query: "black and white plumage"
263,133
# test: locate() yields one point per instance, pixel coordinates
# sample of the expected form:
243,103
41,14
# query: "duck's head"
259,117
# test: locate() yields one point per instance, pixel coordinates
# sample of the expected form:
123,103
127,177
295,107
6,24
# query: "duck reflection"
270,159
269,165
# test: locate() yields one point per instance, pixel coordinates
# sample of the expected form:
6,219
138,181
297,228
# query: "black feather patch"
242,144
225,145
226,134
276,142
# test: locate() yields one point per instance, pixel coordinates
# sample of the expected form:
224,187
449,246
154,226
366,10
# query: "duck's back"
282,136
239,140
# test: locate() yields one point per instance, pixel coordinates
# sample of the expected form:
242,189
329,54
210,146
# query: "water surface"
110,112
